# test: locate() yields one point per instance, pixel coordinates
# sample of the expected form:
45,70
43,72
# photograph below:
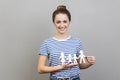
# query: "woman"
59,50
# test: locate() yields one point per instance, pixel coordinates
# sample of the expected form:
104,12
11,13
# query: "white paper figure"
62,57
75,58
69,58
82,57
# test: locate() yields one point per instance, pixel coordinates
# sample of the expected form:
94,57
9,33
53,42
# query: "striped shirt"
52,48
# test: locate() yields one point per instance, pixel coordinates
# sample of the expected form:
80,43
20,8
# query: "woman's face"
62,23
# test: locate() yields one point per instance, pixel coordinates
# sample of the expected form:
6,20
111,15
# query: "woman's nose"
62,24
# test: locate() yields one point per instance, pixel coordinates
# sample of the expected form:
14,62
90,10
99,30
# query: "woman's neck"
61,36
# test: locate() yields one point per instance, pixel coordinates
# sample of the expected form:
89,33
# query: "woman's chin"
62,32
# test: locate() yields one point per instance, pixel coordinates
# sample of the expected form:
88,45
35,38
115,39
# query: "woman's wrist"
60,67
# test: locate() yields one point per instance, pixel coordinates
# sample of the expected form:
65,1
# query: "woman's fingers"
91,59
69,64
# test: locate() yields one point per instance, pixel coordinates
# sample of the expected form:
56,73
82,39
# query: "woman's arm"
42,68
90,60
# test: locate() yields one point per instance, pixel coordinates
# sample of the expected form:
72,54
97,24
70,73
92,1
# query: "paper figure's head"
62,54
81,51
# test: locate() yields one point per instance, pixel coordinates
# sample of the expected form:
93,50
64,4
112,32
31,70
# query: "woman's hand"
68,65
91,59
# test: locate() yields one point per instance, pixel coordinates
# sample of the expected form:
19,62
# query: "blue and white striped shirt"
52,48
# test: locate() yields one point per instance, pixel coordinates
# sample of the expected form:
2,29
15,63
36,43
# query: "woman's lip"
61,29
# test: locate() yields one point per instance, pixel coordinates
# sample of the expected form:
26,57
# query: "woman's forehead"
61,17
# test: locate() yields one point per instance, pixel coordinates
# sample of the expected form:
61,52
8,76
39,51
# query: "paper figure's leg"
84,60
69,58
63,61
80,60
75,61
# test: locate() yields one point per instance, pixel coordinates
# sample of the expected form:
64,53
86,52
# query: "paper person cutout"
82,57
75,58
62,58
69,58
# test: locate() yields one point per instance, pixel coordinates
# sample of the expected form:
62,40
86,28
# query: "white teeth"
61,28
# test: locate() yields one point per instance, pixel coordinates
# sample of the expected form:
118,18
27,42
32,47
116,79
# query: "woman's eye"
58,22
65,21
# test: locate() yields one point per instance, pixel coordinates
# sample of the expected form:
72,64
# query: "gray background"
24,24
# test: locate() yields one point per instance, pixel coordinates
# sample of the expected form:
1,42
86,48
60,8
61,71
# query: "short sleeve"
43,49
79,47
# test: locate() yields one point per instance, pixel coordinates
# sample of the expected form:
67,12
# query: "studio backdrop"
24,24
